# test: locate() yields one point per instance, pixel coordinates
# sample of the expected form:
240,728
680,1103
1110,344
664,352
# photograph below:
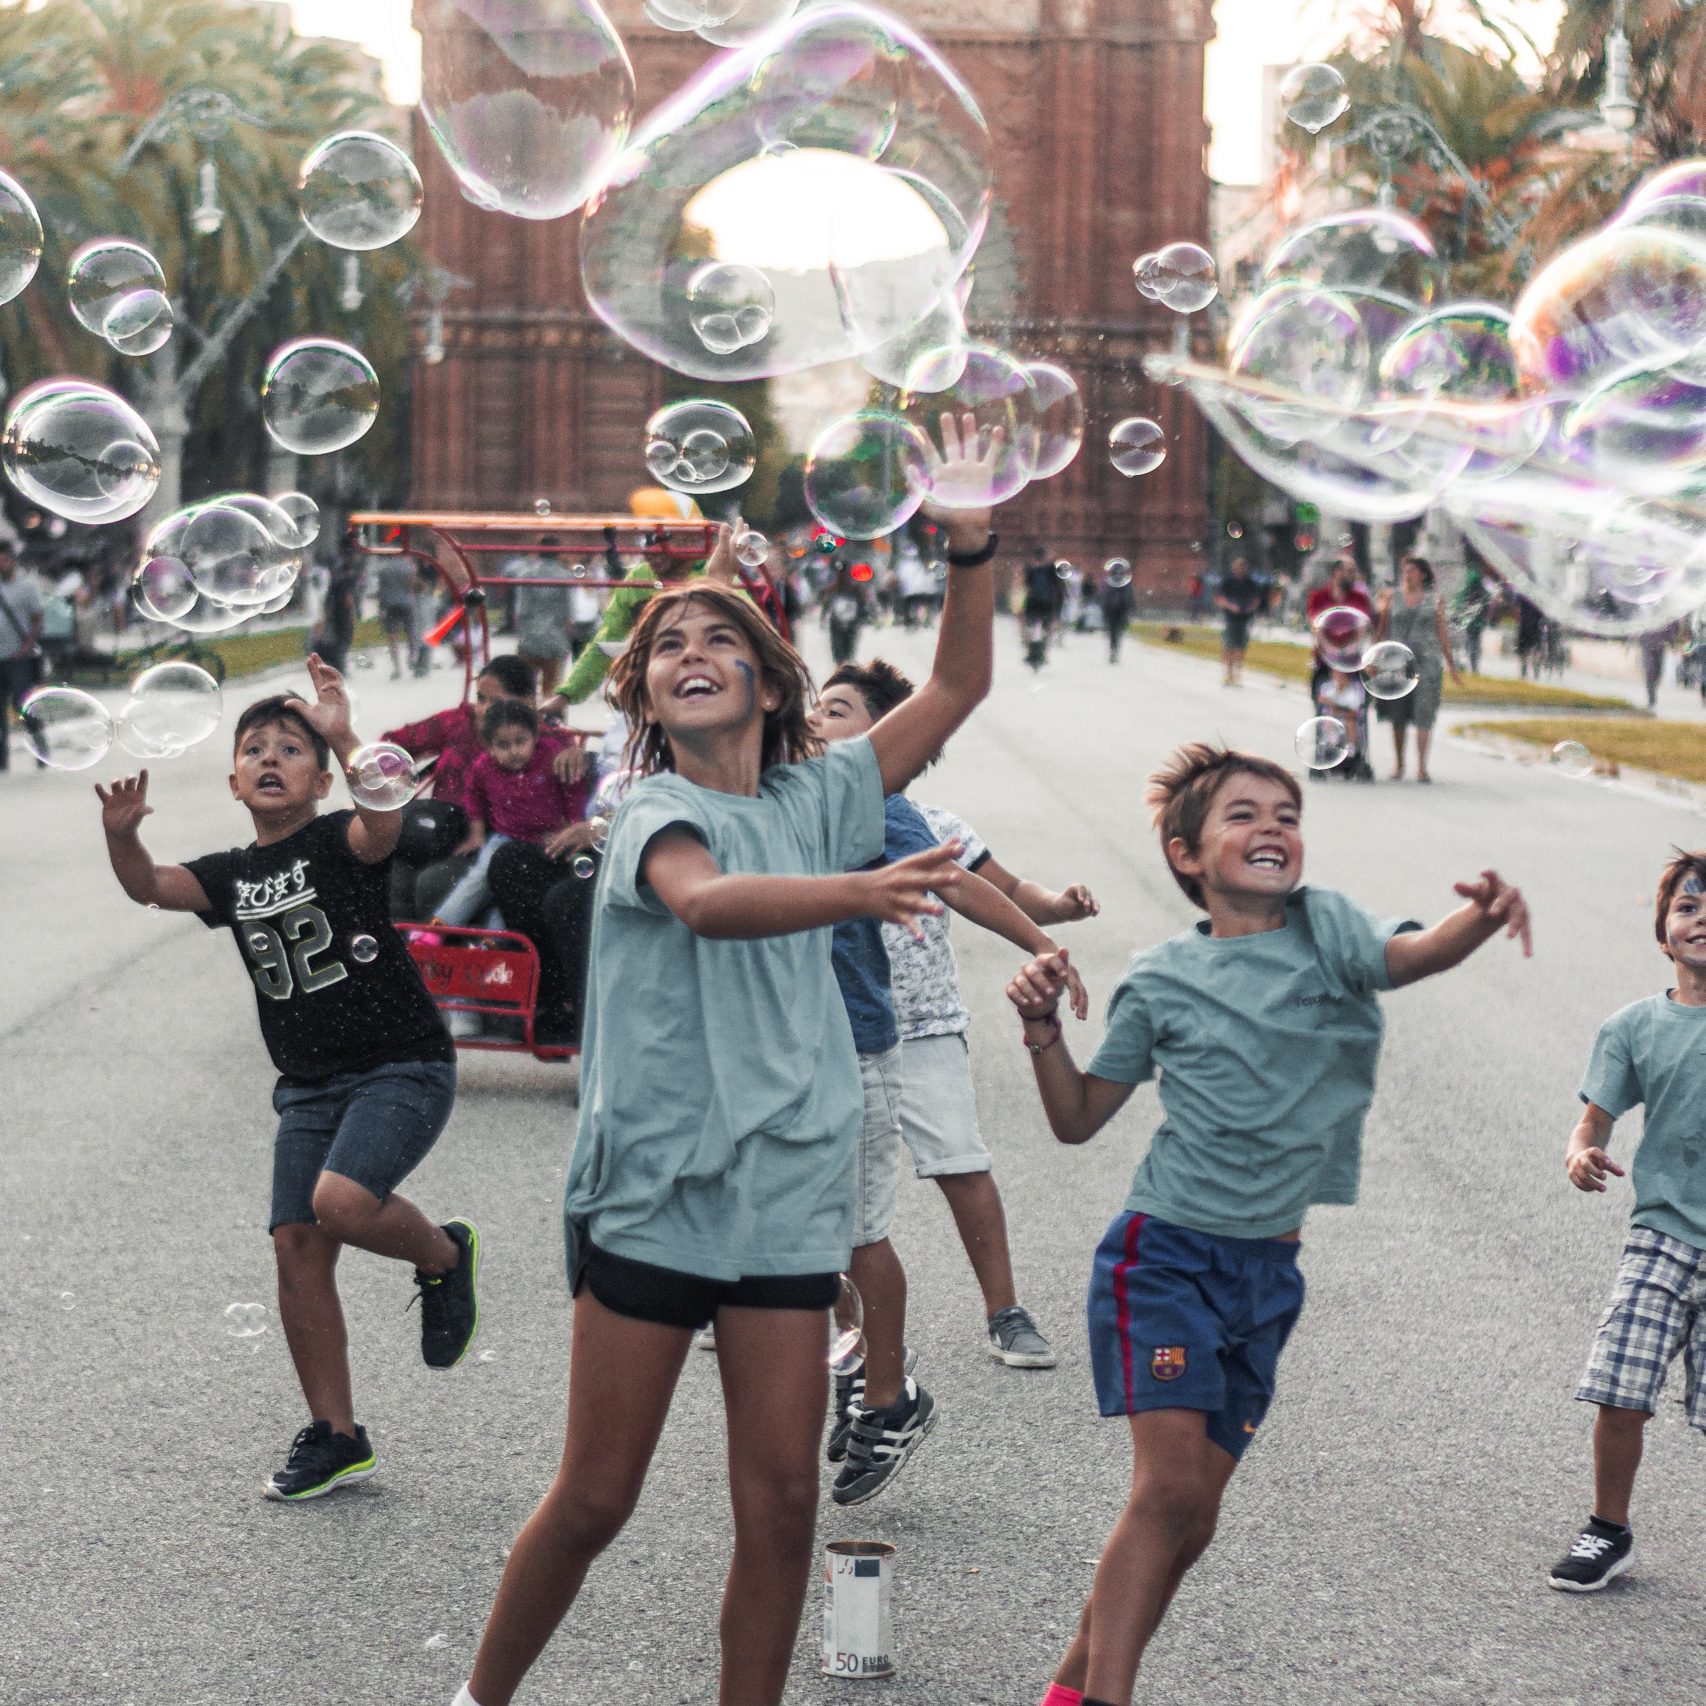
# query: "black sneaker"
848,1398
321,1461
1600,1553
450,1303
881,1442
1014,1339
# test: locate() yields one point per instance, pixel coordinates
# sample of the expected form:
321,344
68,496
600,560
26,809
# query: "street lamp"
1617,106
435,286
207,215
350,295
208,115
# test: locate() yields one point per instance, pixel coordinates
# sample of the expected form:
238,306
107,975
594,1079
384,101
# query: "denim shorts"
938,1107
879,1147
372,1127
1185,1320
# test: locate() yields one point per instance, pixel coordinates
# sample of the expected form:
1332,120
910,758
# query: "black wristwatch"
974,559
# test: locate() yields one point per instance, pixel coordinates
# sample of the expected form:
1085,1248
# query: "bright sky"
1252,34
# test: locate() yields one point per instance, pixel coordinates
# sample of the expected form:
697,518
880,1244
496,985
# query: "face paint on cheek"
749,676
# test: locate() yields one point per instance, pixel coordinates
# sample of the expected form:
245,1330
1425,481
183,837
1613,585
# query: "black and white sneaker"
321,1461
1014,1340
848,1398
1599,1554
450,1302
880,1443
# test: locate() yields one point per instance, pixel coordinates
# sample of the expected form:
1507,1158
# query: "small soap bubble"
584,865
172,707
66,728
578,571
699,446
318,395
245,1320
68,1300
303,514
1390,670
1343,635
359,191
541,506
1312,96
752,550
363,950
20,237
1185,277
611,792
79,450
1116,571
847,1327
1321,742
866,474
599,829
162,589
730,306
1570,758
1137,445
141,322
381,777
102,274
1145,270
435,1643
994,388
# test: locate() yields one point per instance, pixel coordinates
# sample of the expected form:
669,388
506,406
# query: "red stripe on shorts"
1122,1300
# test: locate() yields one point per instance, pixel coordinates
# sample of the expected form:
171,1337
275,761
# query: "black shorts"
643,1292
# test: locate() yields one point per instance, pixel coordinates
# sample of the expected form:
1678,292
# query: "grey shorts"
371,1127
938,1109
879,1147
1658,1308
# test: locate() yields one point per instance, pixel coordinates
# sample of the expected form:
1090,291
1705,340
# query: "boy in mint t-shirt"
1652,1053
1263,1022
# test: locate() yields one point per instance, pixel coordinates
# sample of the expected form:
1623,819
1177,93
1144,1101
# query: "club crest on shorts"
1167,1362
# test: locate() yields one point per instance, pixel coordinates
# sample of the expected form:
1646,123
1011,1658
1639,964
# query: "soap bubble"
1116,571
1146,270
68,1300
1184,277
162,589
767,161
1312,96
1321,742
231,555
994,388
103,273
303,514
867,474
941,334
20,237
699,446
66,728
751,18
1390,670
730,306
318,395
359,191
363,950
598,828
1136,445
1570,758
172,705
752,550
1644,430
611,792
79,450
245,1320
1343,634
583,865
381,776
847,1328
1376,251
1057,427
529,102
1306,355
141,322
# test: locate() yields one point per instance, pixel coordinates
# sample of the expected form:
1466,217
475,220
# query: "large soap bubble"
867,474
1643,431
529,101
67,729
359,191
171,707
837,155
79,450
1306,355
162,589
318,395
103,273
1056,429
1312,96
231,554
995,390
699,446
1376,249
941,334
20,237
749,19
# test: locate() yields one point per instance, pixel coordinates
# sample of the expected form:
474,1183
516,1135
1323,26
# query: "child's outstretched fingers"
1588,1167
1079,902
1077,996
124,803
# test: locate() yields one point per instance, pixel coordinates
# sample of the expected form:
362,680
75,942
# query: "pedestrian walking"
1118,602
396,578
1238,601
21,616
1414,617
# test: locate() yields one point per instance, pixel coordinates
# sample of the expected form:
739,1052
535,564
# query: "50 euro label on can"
858,1639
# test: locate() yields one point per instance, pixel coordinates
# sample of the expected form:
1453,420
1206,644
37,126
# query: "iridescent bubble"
303,514
1312,96
1343,635
1306,355
140,323
103,273
1116,571
995,390
1390,670
730,306
245,1320
363,950
79,450
1146,270
1136,445
752,550
318,395
941,334
381,776
230,554
608,796
1321,742
359,191
66,728
162,589
1377,250
1643,431
867,474
1184,277
847,1328
1570,758
529,101
599,829
748,166
20,237
173,705
1056,429
699,446
583,865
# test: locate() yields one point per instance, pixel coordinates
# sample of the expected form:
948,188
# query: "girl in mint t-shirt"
713,1170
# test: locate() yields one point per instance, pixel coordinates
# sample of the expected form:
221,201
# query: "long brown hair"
787,739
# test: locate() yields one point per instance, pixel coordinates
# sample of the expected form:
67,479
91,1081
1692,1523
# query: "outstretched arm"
1040,905
1492,905
1078,1104
986,905
172,888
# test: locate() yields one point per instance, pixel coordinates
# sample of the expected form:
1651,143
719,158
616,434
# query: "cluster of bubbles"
700,446
1564,433
170,708
1344,642
245,1320
1180,276
79,451
116,289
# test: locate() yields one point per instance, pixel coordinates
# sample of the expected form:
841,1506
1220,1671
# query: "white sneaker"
462,1024
705,1339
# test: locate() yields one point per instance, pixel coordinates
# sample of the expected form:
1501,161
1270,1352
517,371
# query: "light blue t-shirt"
720,1096
1266,1046
1654,1052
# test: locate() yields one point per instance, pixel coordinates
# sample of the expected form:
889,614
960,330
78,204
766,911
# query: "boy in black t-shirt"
367,1072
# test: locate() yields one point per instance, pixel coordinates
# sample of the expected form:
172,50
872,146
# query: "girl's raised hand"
964,466
1039,985
720,565
124,805
901,893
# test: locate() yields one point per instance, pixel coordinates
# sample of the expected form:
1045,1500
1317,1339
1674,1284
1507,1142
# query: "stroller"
1344,697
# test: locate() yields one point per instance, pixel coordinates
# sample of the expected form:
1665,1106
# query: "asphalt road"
1386,1539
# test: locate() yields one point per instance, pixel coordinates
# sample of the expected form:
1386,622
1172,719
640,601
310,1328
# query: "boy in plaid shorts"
1649,1053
